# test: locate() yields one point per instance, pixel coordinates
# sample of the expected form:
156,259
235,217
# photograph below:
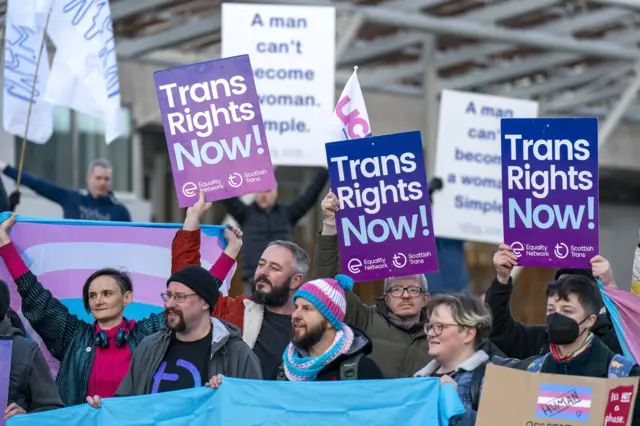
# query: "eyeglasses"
412,291
178,297
437,327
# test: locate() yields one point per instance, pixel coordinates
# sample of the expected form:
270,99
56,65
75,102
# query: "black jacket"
4,198
593,362
521,341
367,369
260,227
31,385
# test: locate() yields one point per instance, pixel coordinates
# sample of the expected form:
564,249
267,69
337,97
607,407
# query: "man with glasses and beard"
265,317
194,347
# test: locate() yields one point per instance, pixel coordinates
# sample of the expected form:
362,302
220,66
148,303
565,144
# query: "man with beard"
264,318
323,347
193,348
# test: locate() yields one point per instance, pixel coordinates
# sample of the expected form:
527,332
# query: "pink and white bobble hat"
327,295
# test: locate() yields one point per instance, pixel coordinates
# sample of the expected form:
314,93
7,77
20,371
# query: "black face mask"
562,330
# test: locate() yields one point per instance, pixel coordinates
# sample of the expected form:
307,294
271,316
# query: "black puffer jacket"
31,385
522,341
260,226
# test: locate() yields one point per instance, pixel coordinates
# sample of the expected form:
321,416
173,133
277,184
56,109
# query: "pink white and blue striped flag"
624,310
564,403
63,253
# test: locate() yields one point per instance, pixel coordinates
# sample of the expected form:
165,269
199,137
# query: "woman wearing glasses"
94,357
458,325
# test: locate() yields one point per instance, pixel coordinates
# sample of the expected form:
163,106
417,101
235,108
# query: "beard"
310,338
277,297
174,325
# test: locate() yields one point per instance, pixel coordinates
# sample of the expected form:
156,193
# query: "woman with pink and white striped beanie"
327,296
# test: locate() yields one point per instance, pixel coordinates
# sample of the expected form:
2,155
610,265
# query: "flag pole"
33,91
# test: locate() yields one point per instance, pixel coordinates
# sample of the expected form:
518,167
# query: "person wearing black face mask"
522,341
572,310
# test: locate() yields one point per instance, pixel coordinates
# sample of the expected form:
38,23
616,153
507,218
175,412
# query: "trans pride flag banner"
63,253
624,310
406,402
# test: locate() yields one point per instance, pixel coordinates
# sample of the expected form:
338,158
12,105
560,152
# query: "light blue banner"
406,402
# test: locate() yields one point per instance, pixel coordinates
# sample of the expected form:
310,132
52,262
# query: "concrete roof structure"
574,56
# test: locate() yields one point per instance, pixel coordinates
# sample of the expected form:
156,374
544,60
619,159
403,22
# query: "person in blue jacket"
97,203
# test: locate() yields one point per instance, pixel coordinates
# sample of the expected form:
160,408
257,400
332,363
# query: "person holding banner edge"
194,349
458,328
31,387
94,357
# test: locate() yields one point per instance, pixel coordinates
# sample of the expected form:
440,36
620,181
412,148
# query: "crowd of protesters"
294,323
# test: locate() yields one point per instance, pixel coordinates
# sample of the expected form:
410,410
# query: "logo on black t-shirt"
185,366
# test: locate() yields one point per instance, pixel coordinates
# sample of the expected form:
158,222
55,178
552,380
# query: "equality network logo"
189,189
355,266
517,248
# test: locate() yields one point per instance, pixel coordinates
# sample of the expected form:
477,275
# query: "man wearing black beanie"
194,348
31,386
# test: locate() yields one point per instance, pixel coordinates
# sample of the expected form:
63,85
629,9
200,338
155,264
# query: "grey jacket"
31,385
230,356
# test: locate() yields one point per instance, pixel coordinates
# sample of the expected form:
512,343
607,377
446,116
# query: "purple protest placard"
550,190
214,130
384,222
5,371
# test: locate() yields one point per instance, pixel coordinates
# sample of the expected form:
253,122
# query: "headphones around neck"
122,336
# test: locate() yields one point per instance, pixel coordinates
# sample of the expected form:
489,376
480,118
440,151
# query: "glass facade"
65,157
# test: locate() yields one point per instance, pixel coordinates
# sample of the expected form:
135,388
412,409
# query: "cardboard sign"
384,223
550,190
214,130
5,371
551,399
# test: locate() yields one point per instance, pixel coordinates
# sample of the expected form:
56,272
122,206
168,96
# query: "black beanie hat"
200,281
5,299
574,271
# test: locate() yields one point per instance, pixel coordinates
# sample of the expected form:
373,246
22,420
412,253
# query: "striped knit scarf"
300,369
587,344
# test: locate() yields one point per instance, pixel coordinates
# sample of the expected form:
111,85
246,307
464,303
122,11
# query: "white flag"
84,74
350,119
25,23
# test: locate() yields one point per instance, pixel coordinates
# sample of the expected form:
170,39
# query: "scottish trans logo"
235,180
561,250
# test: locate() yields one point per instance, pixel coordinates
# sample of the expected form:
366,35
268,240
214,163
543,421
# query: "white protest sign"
292,52
469,206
